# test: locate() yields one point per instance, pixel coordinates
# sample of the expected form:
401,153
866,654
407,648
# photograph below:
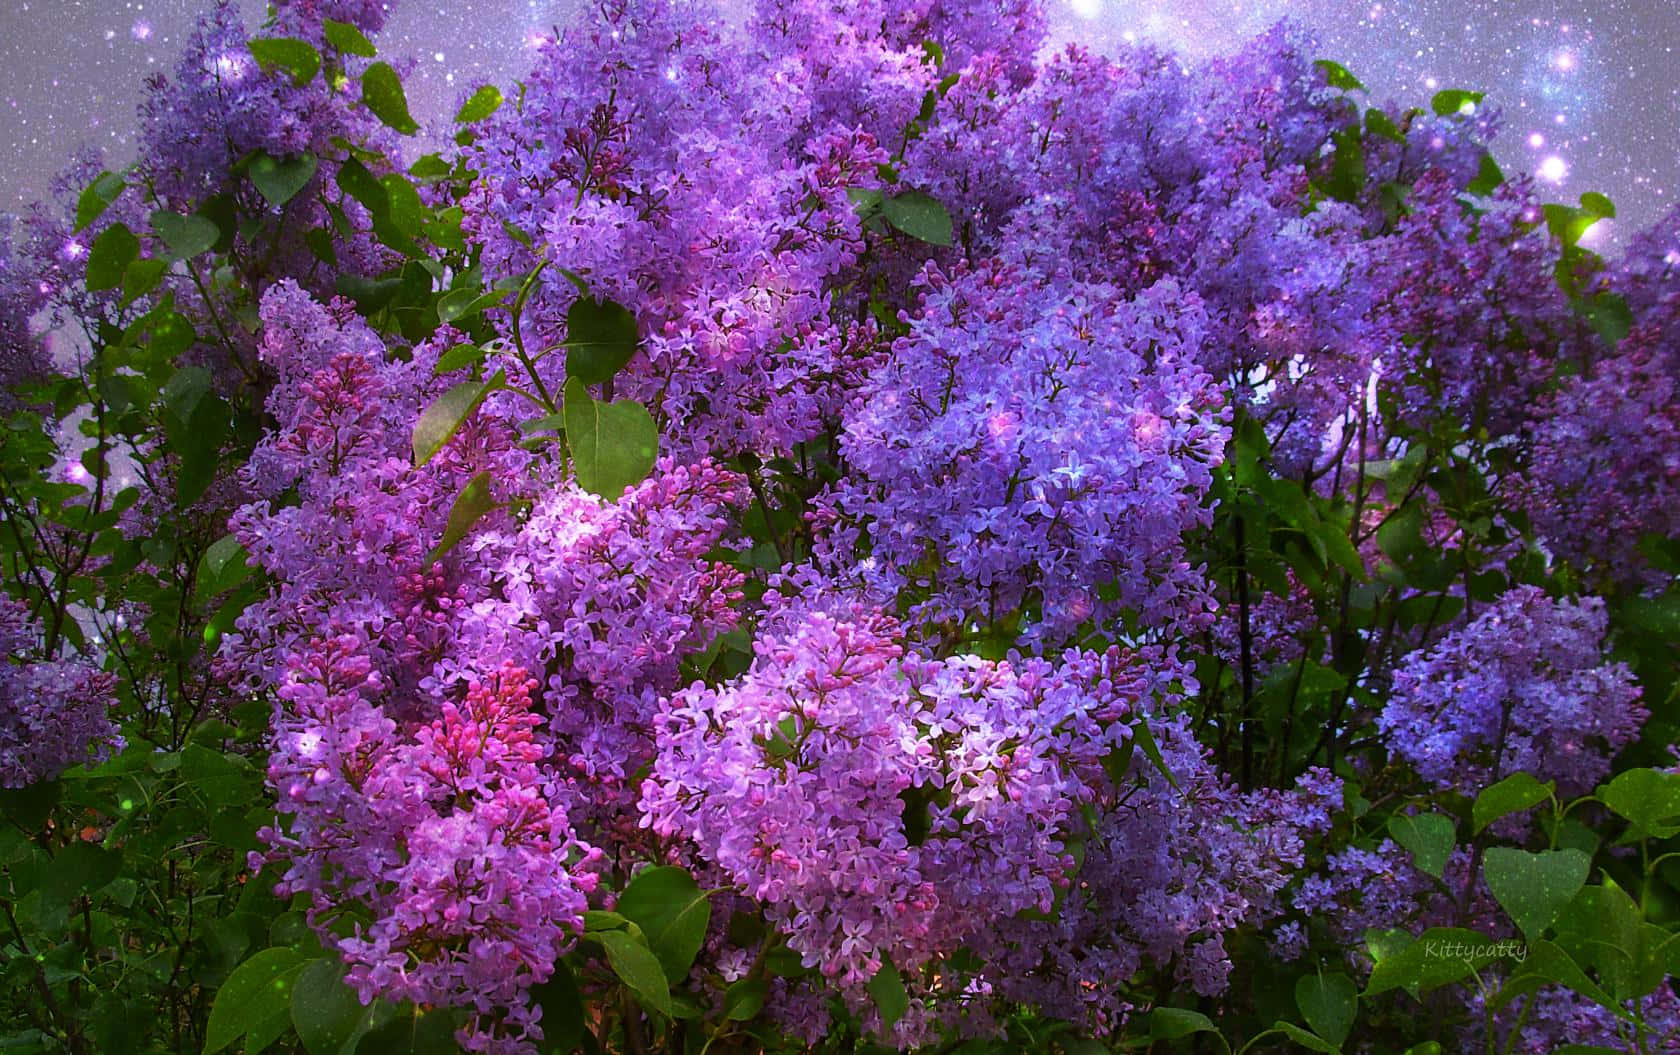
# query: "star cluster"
1588,94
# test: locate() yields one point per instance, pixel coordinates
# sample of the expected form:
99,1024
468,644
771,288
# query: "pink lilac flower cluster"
1525,686
54,711
468,885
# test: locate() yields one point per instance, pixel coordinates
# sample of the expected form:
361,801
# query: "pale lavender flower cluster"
53,711
1525,686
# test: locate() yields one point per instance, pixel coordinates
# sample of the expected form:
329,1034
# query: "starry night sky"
1589,90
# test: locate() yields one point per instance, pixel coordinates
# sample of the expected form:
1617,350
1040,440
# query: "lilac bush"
842,526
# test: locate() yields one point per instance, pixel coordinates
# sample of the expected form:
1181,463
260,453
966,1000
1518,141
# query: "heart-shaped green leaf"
1429,836
186,236
279,180
1533,887
1649,799
1329,1003
614,445
600,339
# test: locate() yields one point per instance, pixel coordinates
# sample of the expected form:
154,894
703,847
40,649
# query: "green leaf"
1429,836
1152,751
481,104
186,236
673,913
1519,791
348,39
600,339
1598,205
407,211
1454,101
325,1011
637,967
256,1000
279,181
223,566
459,357
1306,1040
96,198
382,93
887,990
142,276
297,56
1170,1023
469,507
412,1033
1647,798
614,445
1533,887
1338,77
80,868
744,999
1329,1003
1488,177
355,180
562,1011
920,216
1545,963
1441,956
112,252
443,417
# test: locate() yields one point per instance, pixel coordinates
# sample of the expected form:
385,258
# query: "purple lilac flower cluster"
54,712
1523,687
1036,442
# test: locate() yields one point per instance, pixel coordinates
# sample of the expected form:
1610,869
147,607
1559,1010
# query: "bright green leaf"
614,445
1519,791
97,197
256,996
672,911
920,216
382,93
479,105
1338,76
299,57
443,417
637,967
348,39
